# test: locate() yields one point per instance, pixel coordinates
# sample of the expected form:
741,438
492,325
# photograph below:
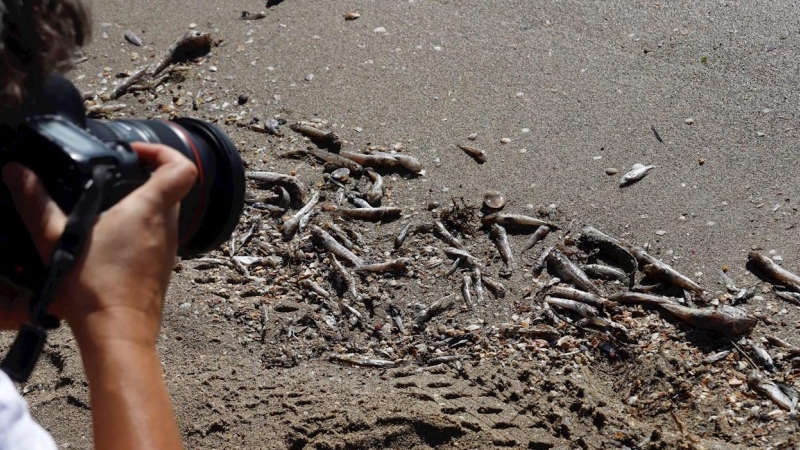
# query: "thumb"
42,216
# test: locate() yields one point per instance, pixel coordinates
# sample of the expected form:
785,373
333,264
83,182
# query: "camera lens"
211,210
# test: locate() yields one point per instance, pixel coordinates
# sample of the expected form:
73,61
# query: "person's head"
37,38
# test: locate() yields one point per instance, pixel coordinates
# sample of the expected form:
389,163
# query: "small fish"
771,390
441,231
664,272
410,229
582,309
375,192
131,37
495,286
474,153
466,285
330,244
774,271
396,265
296,187
339,234
337,160
762,356
649,287
515,220
778,342
290,226
348,279
603,271
716,357
535,238
568,271
323,139
501,238
394,313
582,296
383,213
366,362
436,308
542,261
640,298
383,160
593,238
638,171
407,162
461,253
254,16
791,297
728,282
745,294
727,320
476,279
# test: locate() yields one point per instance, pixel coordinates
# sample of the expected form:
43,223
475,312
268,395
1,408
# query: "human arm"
114,296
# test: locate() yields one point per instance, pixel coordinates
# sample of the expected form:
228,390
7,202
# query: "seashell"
341,174
494,200
351,15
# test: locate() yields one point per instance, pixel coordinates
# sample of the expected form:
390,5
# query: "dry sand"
576,87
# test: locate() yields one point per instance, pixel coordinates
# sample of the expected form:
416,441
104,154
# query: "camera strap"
24,353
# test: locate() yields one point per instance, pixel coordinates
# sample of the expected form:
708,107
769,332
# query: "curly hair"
37,38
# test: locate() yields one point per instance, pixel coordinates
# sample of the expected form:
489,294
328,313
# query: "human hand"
116,290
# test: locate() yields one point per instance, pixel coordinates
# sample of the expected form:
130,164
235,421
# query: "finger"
42,216
173,177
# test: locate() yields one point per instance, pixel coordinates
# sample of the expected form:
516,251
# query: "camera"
62,147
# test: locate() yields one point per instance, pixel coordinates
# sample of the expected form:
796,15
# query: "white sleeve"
18,431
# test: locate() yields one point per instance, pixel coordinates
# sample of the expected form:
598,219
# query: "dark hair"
37,38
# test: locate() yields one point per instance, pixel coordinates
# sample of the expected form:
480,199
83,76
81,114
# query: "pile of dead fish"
587,294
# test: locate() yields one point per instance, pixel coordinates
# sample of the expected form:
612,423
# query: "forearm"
131,408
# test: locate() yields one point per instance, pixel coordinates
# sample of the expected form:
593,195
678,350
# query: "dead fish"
603,271
582,309
649,287
727,320
359,202
290,226
542,261
716,357
568,271
774,271
584,297
407,162
535,238
474,153
364,362
383,160
461,253
339,234
375,192
466,285
476,279
763,357
778,342
664,272
254,16
772,391
745,294
501,238
394,313
388,266
295,187
323,139
515,220
638,171
593,238
410,229
640,298
272,126
383,213
727,282
440,230
334,247
495,286
131,37
337,160
436,308
791,297
337,267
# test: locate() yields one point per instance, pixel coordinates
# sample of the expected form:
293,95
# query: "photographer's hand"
114,296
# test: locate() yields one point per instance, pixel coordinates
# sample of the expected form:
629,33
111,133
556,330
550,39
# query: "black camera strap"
24,353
